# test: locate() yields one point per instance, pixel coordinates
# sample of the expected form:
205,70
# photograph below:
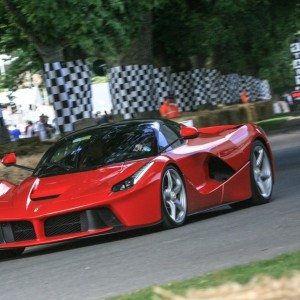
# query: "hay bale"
148,115
264,110
242,114
84,123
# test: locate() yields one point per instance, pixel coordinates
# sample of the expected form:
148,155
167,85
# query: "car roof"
107,125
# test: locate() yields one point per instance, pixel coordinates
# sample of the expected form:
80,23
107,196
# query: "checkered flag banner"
200,94
162,84
68,86
264,90
140,88
131,89
233,88
183,90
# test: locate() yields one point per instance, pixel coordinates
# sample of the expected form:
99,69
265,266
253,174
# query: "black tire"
181,199
258,196
11,252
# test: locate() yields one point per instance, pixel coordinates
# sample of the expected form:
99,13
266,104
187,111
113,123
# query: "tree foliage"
74,27
47,31
248,36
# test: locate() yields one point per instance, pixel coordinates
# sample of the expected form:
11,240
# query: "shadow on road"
113,237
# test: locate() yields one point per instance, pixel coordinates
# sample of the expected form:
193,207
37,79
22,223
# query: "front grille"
23,231
91,219
16,231
65,224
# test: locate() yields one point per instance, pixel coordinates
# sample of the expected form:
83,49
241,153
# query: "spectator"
169,109
49,128
15,133
174,110
106,118
1,118
29,131
164,108
40,128
244,96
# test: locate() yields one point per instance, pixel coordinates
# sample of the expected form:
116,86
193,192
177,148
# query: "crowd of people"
41,129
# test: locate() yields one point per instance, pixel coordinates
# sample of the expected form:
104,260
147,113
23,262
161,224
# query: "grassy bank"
283,265
273,123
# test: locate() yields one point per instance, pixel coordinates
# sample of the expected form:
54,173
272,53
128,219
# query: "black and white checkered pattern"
250,84
141,88
200,95
69,89
162,84
233,87
131,89
213,80
183,90
264,90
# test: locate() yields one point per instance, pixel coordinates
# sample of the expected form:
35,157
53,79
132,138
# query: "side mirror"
9,159
188,132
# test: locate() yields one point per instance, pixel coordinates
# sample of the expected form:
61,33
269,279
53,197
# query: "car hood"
54,190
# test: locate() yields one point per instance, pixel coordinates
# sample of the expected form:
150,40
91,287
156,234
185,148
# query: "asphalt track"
99,267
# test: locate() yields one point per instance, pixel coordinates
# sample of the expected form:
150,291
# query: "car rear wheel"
174,199
261,174
11,252
261,177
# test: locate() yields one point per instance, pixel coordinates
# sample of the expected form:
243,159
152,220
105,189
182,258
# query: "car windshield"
99,147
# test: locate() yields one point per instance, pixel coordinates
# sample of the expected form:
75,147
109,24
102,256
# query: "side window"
167,137
174,126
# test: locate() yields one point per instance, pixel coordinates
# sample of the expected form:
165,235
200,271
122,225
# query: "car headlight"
133,179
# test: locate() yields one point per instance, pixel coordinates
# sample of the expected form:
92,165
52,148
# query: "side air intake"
218,169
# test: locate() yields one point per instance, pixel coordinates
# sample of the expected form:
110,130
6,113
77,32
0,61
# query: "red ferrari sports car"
130,174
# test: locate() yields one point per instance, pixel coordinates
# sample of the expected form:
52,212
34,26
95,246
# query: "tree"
248,37
43,31
64,30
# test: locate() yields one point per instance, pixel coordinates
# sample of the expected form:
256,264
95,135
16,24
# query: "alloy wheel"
262,171
174,196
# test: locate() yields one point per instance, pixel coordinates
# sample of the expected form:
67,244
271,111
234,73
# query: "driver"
94,155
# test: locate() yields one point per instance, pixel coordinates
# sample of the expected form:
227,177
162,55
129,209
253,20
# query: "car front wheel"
174,198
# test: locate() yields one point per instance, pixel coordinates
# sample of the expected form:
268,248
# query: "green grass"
283,265
277,121
274,123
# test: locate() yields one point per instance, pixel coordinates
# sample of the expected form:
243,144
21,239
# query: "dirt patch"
24,147
265,288
29,152
16,175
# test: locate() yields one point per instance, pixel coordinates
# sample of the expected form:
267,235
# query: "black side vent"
218,169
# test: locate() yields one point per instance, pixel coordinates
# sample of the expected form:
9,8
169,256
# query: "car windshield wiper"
169,145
